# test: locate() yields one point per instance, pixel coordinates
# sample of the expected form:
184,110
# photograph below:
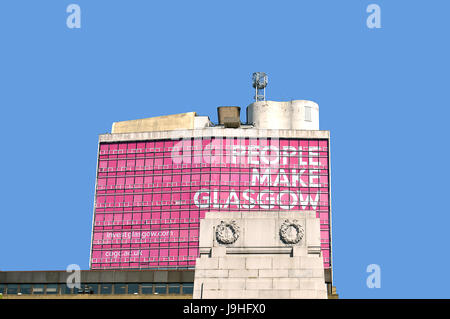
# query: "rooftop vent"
229,116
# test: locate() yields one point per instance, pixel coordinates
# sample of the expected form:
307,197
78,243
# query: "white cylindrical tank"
295,115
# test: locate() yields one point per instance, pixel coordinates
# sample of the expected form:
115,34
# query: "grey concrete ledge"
214,132
98,276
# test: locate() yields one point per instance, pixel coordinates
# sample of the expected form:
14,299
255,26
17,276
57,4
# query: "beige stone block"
232,262
231,284
258,262
243,273
318,273
311,262
303,294
230,294
273,294
197,285
207,263
321,294
312,232
258,283
206,239
310,283
265,236
208,284
282,263
240,294
285,262
298,251
212,294
286,283
300,273
273,273
215,273
196,295
218,251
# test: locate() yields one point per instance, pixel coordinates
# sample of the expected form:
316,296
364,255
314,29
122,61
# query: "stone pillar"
259,255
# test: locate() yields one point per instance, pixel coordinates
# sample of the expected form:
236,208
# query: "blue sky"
382,94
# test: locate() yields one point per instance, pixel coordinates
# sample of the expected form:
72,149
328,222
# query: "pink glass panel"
151,195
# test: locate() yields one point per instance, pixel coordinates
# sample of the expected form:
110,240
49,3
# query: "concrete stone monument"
259,255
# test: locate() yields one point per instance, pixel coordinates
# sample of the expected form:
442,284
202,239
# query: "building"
147,284
158,177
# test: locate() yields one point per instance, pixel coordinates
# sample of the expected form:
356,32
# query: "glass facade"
51,289
151,195
38,289
12,289
174,288
133,289
147,289
25,289
64,289
105,288
188,289
120,289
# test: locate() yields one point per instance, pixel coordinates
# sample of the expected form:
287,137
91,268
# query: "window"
78,290
188,288
2,288
65,290
52,289
133,288
308,113
38,289
160,289
106,289
13,289
25,289
174,288
120,289
86,289
147,288
92,288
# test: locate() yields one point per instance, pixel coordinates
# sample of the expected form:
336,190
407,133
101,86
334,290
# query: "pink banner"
151,196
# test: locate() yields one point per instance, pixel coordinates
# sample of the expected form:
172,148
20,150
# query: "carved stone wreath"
227,232
291,232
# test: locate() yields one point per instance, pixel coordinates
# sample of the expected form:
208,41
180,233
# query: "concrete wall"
283,115
202,122
183,121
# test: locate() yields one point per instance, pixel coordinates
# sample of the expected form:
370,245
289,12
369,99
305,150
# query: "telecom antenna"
260,83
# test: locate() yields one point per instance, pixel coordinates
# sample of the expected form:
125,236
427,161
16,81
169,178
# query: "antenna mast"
259,83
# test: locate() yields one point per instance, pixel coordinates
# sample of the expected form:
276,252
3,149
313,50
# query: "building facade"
157,177
98,284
